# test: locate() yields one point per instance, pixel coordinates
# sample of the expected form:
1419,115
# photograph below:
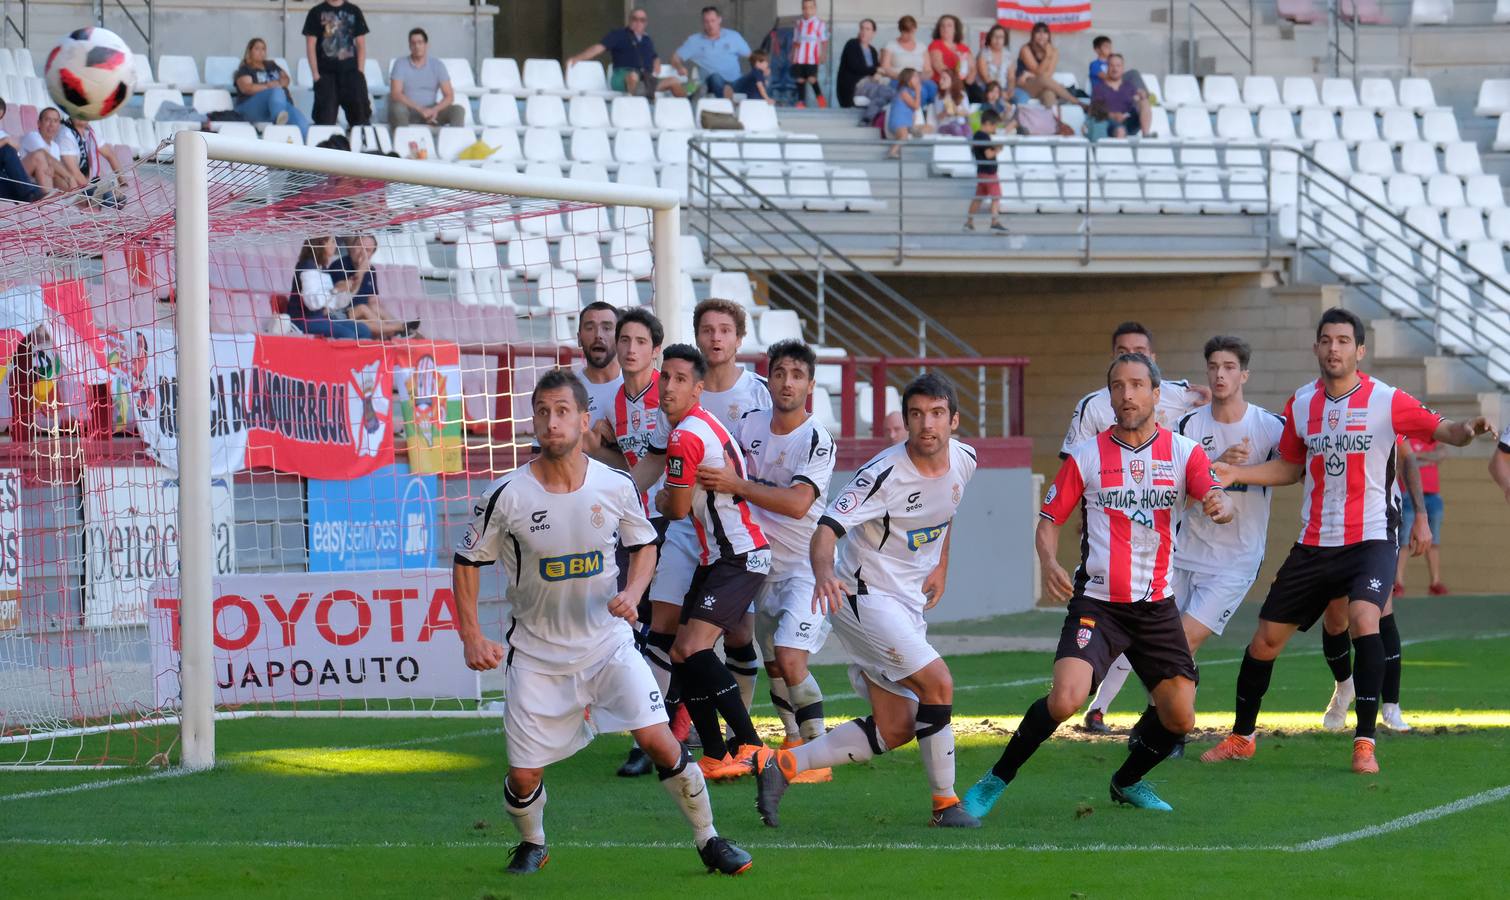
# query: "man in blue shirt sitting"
715,51
635,61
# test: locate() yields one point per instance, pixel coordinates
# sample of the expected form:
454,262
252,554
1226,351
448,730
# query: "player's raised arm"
1461,434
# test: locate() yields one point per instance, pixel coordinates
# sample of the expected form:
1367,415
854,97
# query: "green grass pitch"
413,808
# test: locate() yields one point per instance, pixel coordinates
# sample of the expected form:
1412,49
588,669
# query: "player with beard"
1131,483
891,525
1340,436
791,459
553,524
600,364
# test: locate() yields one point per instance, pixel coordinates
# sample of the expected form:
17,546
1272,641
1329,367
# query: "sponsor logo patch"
674,467
919,537
847,502
572,565
1049,497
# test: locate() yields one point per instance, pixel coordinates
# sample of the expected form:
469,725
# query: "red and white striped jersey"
725,528
1347,445
1131,501
633,420
808,37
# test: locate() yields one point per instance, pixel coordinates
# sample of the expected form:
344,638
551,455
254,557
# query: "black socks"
1252,684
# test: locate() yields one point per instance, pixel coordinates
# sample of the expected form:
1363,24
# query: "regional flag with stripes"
1059,15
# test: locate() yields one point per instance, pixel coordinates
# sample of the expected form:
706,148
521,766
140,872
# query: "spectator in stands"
1103,47
996,101
419,91
366,308
858,61
950,112
1119,106
1428,453
335,41
984,148
320,305
16,183
949,53
752,84
894,427
995,62
715,51
809,37
43,154
83,153
633,57
262,90
1036,64
906,53
902,116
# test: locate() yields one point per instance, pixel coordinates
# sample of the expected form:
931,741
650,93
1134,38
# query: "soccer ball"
90,74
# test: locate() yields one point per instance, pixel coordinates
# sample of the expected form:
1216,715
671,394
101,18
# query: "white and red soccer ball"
90,74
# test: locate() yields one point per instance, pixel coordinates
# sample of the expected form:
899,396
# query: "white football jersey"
600,396
557,552
1201,545
806,455
892,521
1093,414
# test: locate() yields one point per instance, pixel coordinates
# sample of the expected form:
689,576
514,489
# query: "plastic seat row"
952,156
1416,158
1442,12
1316,123
1296,92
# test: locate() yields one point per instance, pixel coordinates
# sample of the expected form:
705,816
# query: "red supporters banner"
319,410
1059,15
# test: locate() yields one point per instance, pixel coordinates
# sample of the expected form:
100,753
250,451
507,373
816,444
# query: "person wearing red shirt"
949,52
1428,453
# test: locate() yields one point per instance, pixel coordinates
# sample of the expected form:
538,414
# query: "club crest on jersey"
1333,416
597,515
634,420
1083,635
918,537
1135,468
958,491
572,565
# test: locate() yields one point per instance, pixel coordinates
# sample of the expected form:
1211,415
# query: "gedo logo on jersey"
918,537
572,565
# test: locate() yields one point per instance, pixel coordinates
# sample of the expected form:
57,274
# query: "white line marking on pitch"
95,785
1404,822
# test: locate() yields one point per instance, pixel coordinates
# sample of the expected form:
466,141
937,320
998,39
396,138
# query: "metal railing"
1244,23
1420,280
1339,19
9,25
145,28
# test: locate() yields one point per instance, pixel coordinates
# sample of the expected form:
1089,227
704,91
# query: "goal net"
250,397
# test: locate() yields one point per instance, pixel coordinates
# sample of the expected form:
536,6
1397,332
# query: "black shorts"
1151,635
721,593
803,70
1312,577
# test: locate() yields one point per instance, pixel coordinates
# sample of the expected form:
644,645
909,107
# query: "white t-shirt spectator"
902,58
318,291
33,141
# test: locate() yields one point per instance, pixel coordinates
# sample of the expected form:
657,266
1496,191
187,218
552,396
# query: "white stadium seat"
1417,95
1376,158
1377,94
452,140
1502,134
633,146
588,77
1405,191
1445,192
1192,123
544,76
1276,124
543,145
1462,159
1494,97
674,113
1400,126
588,112
1418,158
631,112
545,111
1465,225
180,72
1220,90
733,286
409,138
1440,126
501,75
1338,93
1299,91
505,144
498,111
156,97
591,145
1234,123
1181,90
758,116
1317,123
1260,91
1359,125
208,100
219,69
1484,192
1430,12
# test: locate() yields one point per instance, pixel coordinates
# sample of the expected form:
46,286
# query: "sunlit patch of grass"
323,761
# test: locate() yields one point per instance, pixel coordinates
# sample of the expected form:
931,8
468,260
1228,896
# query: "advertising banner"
427,379
334,636
385,520
10,549
1059,15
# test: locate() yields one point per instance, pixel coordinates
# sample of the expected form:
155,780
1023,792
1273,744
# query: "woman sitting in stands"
366,309
857,63
262,90
321,306
1036,63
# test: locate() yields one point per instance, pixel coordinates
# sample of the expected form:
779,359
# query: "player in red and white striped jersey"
809,36
1131,484
734,559
1340,434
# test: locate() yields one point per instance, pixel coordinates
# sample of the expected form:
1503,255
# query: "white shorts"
1210,599
886,637
677,563
784,616
547,718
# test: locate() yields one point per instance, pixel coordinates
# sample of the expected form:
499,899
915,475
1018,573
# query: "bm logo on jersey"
920,536
573,565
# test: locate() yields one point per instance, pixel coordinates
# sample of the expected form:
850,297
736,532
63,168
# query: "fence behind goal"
340,470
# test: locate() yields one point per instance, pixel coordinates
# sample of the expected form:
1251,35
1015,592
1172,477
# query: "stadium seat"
671,147
544,76
1234,123
581,255
1489,259
1502,134
1425,222
1151,84
758,116
692,260
558,290
951,156
498,111
1317,123
1502,13
631,112
1333,156
674,178
733,286
1376,158
155,98
452,140
1465,225
1276,124
378,80
208,100
618,288
409,138
633,146
1499,225
588,77
180,72
1260,91
145,79
714,105
763,148
1484,192
501,75
1203,192
1445,192
286,134
1430,12
244,131
675,114
529,257
630,253
1462,159
476,250
779,325
1393,257
1417,95
1192,123
1418,158
1180,91
807,183
853,186
768,180
1220,90
632,219
1405,191
1377,94
1299,92
1359,125
588,112
1440,126
1494,97
1400,126
638,174
1160,127
505,144
543,145
1338,93
218,70
588,171
545,111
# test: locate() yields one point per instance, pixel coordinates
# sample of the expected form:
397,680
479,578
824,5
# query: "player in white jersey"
1131,484
892,525
733,558
1092,416
553,524
600,365
1215,565
1340,435
791,459
1499,463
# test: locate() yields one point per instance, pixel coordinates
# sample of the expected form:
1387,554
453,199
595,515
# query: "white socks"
847,743
690,792
782,700
1112,684
935,735
528,813
807,705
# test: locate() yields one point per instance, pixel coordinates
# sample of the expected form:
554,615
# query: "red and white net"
344,468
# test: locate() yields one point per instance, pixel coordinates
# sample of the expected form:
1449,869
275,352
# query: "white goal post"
194,154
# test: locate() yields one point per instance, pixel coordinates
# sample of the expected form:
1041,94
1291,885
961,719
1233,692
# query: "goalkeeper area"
377,808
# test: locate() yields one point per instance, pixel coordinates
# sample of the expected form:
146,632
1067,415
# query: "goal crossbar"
193,154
